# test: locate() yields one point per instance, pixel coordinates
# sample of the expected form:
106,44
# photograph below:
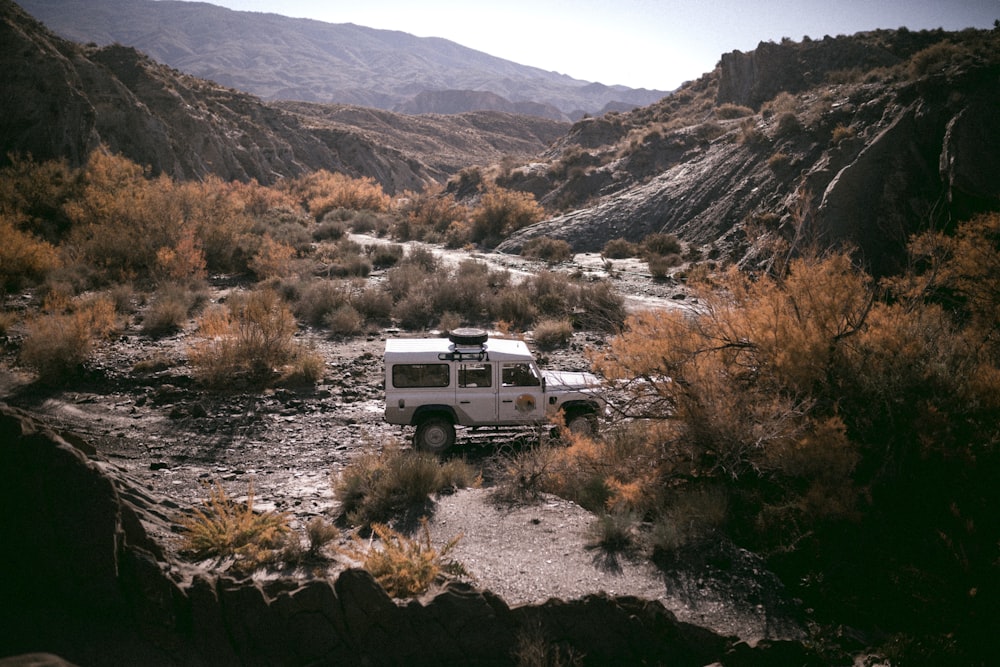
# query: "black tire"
435,435
468,336
582,422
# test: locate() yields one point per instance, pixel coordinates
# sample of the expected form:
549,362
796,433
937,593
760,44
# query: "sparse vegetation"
798,411
381,485
550,250
405,566
501,212
225,528
551,334
620,249
249,340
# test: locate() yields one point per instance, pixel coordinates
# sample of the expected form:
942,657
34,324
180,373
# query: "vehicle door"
520,393
475,393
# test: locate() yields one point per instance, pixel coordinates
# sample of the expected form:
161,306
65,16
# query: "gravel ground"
175,439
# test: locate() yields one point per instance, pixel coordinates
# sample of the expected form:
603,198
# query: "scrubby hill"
61,100
859,140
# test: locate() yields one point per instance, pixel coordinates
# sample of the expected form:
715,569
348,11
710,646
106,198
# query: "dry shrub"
59,340
620,249
319,298
535,649
374,304
384,484
729,111
660,265
550,334
842,133
740,380
23,257
320,533
660,243
224,528
788,125
783,102
614,532
272,259
249,340
692,514
429,216
516,307
385,255
345,321
404,566
169,309
501,212
185,262
323,191
550,250
306,367
779,161
599,308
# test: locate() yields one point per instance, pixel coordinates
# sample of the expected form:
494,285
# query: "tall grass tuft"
224,528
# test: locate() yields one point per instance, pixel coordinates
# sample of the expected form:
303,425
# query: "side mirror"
543,385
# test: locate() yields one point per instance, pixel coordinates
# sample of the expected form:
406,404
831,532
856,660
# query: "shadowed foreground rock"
85,581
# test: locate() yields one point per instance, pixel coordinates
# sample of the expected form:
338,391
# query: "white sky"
636,43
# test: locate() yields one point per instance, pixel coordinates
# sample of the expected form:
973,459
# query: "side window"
420,375
475,375
519,375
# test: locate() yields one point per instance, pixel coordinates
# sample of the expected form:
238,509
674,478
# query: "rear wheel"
435,435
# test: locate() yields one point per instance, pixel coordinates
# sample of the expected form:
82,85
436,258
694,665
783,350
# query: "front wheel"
435,435
582,423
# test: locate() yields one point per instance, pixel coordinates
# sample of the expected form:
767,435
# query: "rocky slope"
277,57
858,140
62,100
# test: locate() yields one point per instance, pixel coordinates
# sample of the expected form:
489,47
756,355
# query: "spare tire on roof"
468,336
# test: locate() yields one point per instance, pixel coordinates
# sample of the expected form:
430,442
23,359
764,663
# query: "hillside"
275,57
62,100
856,140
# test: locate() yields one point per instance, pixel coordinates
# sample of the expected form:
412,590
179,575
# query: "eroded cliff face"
86,579
860,164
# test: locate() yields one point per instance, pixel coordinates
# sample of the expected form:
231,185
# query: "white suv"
470,379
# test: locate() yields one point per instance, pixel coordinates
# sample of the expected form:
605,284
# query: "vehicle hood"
570,380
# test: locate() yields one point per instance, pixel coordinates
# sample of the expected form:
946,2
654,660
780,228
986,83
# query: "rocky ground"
176,439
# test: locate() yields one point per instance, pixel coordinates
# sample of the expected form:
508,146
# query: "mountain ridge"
281,58
64,99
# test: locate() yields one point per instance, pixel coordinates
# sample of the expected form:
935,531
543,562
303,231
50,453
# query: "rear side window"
475,375
420,375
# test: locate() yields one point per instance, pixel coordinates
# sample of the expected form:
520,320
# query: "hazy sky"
637,43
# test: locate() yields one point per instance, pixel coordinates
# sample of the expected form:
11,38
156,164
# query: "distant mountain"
61,100
281,58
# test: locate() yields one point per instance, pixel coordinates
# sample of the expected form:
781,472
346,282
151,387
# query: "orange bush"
23,257
501,212
323,191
